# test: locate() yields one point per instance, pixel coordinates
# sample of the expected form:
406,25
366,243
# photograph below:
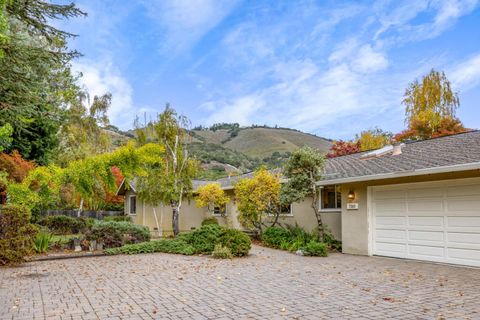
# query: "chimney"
397,149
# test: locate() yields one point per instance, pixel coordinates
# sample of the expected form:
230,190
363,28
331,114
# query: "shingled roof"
442,153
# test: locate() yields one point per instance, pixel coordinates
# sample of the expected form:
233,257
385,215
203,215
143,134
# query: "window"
220,210
133,205
331,197
286,210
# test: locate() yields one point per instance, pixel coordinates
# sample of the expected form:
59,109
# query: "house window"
286,210
331,197
133,205
220,210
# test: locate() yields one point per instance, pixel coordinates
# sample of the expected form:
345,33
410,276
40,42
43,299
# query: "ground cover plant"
294,239
206,240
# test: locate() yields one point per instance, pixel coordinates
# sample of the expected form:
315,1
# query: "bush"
118,218
221,252
293,239
236,241
274,236
17,234
314,248
64,224
208,221
204,239
163,245
115,234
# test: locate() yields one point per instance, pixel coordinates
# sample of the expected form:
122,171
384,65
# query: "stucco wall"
304,217
355,223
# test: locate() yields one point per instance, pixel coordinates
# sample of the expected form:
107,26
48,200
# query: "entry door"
435,221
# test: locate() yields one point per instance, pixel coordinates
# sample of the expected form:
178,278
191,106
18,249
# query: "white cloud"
100,77
369,60
184,22
466,75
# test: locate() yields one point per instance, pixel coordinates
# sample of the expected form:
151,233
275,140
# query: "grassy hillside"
262,142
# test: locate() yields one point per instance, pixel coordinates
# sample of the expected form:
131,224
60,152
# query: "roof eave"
401,174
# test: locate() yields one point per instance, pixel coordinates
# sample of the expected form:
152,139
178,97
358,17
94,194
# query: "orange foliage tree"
15,166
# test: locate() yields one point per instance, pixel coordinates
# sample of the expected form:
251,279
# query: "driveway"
269,284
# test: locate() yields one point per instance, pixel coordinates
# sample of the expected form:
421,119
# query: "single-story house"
418,200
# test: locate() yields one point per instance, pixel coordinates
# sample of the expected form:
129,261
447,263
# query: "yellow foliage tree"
429,101
257,197
210,196
373,139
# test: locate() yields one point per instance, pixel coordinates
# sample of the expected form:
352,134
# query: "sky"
331,68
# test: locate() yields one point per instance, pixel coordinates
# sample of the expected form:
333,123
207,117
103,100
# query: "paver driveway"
268,284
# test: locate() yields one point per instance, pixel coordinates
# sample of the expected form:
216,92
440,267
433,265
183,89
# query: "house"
418,200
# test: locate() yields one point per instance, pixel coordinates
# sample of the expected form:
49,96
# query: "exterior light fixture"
351,195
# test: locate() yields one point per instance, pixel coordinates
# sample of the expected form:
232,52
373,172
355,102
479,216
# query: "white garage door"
435,221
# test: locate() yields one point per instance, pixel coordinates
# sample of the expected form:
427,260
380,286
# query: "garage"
432,221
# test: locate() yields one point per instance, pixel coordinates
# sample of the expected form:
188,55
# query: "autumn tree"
342,148
210,196
257,198
303,170
373,139
430,107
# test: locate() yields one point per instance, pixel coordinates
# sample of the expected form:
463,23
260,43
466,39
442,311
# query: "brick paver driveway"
268,284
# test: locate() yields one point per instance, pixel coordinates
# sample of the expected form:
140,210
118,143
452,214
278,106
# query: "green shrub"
42,242
208,221
331,242
163,245
221,252
204,239
64,224
118,218
17,234
235,240
314,248
293,239
117,233
274,236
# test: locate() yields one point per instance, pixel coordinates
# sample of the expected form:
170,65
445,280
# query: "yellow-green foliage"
17,235
211,195
257,197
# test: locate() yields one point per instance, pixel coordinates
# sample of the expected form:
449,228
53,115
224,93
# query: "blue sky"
332,68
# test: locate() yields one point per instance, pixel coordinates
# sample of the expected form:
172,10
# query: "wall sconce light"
351,195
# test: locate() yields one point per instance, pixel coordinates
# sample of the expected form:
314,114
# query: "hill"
261,142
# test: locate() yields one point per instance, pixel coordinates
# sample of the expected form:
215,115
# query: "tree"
303,170
342,148
258,197
82,135
35,78
210,196
5,136
373,139
15,166
173,177
429,105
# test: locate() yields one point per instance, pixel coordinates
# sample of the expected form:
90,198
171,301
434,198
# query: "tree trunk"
80,208
316,209
175,216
